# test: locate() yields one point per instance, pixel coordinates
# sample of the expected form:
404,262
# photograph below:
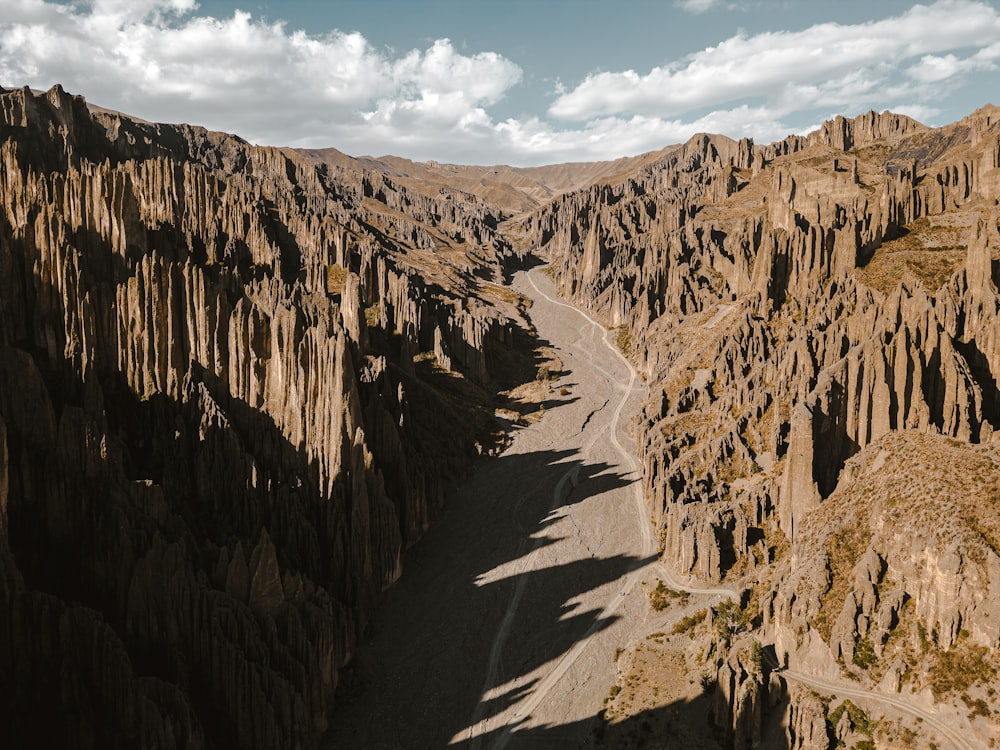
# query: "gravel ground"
504,627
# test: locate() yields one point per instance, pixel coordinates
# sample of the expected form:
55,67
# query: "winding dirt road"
838,689
900,703
622,398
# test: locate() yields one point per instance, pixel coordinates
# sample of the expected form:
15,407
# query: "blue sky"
519,82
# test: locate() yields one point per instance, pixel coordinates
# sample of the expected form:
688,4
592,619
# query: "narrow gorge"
692,449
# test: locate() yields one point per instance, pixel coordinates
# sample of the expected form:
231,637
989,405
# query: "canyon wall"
797,308
215,438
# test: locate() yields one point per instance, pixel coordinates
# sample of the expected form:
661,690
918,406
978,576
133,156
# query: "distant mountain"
514,189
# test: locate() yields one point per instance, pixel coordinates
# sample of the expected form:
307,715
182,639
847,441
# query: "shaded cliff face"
215,437
793,306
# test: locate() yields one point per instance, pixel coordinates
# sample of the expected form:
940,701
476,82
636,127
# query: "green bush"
864,654
859,719
661,597
961,667
689,623
729,619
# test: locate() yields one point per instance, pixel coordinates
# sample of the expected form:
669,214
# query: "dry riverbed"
508,624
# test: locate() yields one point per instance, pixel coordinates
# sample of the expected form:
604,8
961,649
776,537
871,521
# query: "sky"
519,82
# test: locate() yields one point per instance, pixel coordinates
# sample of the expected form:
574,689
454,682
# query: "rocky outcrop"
740,698
215,443
224,414
807,728
904,551
792,307
755,254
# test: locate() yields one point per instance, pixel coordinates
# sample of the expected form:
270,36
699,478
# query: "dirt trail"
898,702
624,390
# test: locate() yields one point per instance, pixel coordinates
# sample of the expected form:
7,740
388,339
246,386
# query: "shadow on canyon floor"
433,661
680,725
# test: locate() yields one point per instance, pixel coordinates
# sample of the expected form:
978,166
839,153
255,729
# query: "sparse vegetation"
960,667
775,542
843,549
986,524
926,644
757,655
864,654
858,718
729,619
978,707
336,279
662,597
708,684
927,252
623,338
688,623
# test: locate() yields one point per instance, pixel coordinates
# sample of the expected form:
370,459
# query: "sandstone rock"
204,487
795,307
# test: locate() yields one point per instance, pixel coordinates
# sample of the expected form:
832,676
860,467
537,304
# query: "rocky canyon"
697,448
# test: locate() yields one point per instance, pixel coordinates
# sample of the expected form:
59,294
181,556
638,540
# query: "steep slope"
234,386
791,305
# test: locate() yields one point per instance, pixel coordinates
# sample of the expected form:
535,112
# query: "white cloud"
162,60
988,54
771,64
919,112
937,68
697,6
611,137
155,59
483,78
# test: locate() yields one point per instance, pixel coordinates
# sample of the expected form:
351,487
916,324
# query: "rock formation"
811,316
215,443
